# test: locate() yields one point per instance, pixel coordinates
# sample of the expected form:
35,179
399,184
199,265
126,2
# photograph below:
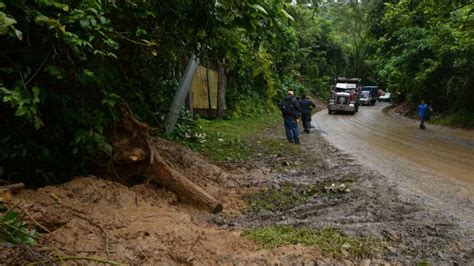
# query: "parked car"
385,97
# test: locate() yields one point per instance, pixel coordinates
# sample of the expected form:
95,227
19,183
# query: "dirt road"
435,165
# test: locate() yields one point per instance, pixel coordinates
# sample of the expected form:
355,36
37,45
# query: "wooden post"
181,93
221,90
209,101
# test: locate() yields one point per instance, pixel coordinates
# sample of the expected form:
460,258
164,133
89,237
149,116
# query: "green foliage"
65,64
251,107
424,48
188,129
230,139
13,230
329,241
461,119
320,50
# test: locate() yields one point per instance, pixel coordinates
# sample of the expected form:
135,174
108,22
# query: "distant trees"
426,50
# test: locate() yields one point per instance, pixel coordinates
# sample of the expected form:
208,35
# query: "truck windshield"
346,85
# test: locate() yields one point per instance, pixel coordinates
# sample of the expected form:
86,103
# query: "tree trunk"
12,187
137,148
221,90
182,186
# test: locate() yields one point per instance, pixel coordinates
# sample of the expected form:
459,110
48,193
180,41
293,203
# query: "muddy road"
432,167
404,186
436,164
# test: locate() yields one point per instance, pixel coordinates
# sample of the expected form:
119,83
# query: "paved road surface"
436,164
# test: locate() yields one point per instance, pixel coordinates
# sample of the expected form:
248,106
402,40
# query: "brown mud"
145,224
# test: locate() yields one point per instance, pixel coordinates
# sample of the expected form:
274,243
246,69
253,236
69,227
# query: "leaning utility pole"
181,93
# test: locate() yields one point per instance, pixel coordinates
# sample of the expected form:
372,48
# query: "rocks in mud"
217,220
340,188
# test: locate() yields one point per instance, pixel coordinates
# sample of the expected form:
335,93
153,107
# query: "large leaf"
288,16
53,3
258,8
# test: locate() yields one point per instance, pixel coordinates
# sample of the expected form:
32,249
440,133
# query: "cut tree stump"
139,148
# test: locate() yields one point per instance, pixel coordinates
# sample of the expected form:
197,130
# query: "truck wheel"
329,111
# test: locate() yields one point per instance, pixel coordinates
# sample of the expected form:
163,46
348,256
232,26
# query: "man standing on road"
290,110
306,104
422,110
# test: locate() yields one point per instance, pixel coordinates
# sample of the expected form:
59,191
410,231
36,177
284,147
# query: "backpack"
286,107
305,106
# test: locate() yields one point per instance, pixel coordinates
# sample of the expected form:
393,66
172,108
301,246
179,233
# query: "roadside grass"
329,241
278,147
280,199
229,139
460,119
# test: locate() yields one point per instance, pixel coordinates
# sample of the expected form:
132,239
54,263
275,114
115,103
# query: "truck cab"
345,95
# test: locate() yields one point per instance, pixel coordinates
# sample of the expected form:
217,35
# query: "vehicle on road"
365,98
345,95
373,92
385,97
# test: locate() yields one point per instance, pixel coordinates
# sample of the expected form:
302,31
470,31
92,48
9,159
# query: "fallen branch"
12,187
65,258
32,219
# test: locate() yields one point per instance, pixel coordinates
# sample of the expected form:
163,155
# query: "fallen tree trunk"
182,186
12,187
138,148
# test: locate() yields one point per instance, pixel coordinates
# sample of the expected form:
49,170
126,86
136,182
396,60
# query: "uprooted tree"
135,153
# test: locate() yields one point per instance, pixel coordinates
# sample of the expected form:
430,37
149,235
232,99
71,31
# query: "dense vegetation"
425,49
64,65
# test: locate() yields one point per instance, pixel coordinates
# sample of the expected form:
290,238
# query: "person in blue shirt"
422,112
306,105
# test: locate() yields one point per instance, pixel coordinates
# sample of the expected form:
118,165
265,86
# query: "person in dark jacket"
422,112
306,106
290,110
